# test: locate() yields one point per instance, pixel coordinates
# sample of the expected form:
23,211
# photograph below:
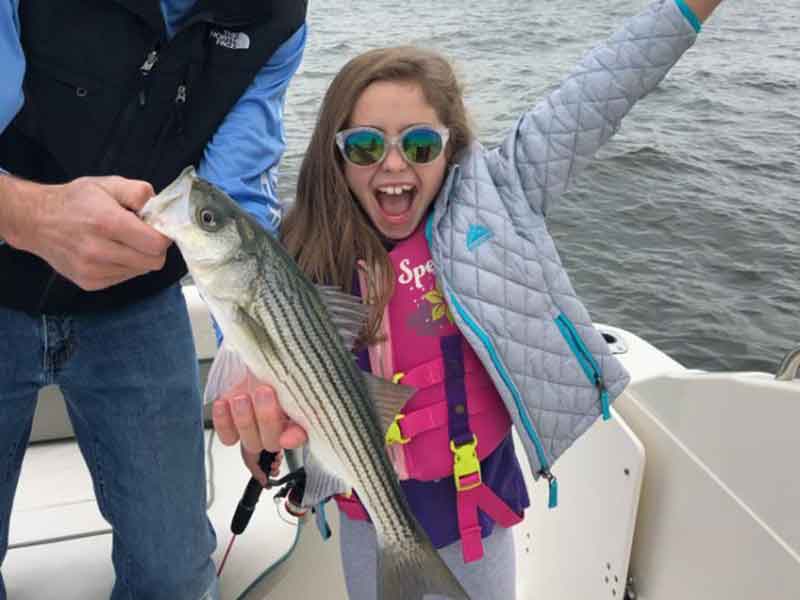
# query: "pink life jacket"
456,417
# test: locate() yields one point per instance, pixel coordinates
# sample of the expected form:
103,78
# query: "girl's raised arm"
550,144
702,8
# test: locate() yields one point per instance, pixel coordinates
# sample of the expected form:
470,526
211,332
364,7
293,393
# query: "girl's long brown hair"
326,231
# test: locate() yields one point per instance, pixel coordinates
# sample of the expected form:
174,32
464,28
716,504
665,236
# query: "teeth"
395,190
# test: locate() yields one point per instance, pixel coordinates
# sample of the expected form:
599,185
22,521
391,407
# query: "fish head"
207,225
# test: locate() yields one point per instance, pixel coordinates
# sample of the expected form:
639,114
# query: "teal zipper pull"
604,404
552,484
586,361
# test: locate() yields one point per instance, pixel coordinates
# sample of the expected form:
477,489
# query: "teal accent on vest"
689,14
586,360
476,235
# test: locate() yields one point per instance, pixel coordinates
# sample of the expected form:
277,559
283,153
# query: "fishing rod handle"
265,460
246,506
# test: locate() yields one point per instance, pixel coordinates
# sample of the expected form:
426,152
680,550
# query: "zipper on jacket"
180,102
176,121
155,155
149,62
544,470
120,132
586,361
527,423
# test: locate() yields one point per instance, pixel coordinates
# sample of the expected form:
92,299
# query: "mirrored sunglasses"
365,146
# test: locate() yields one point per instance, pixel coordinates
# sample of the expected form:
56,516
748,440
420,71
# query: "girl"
470,305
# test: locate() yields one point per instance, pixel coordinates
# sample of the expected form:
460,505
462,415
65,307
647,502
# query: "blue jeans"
130,380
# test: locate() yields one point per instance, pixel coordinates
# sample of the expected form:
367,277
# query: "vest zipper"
149,62
120,131
180,102
586,360
527,423
177,119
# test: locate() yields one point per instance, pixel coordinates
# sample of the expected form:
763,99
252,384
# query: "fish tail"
415,569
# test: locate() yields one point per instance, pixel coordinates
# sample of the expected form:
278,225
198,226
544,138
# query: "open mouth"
169,208
396,201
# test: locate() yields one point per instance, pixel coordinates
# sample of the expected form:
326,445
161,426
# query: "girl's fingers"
245,421
223,422
269,417
257,420
293,436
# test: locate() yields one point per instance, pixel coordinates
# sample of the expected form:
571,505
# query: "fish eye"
207,219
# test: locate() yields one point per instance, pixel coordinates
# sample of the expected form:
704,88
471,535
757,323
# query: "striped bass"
297,336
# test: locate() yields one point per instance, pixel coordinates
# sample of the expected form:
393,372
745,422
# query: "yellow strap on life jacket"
393,434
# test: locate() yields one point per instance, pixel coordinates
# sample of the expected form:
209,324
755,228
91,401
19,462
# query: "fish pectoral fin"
347,312
265,343
227,370
388,397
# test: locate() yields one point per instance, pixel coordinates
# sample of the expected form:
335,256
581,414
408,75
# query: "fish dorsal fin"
388,397
347,312
227,370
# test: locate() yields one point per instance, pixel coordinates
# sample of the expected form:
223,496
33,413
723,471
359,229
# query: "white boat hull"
691,489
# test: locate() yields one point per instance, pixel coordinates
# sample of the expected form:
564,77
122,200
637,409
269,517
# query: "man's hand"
87,229
250,413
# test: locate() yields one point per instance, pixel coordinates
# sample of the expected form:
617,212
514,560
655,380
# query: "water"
686,229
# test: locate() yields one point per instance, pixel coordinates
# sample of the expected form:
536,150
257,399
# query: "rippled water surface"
686,229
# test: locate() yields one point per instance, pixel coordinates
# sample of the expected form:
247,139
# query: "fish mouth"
153,212
169,209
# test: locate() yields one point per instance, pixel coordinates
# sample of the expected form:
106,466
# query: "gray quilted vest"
498,264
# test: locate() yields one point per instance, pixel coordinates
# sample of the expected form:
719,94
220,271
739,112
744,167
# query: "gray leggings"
494,576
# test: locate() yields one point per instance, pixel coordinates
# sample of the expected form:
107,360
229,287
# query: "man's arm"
86,229
13,61
242,158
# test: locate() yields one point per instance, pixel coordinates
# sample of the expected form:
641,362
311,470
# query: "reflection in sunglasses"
365,146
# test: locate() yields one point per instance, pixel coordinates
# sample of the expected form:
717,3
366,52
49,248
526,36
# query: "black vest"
107,93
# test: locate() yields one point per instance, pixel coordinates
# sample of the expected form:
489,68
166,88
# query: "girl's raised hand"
702,8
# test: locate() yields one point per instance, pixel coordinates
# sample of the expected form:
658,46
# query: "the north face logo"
233,40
